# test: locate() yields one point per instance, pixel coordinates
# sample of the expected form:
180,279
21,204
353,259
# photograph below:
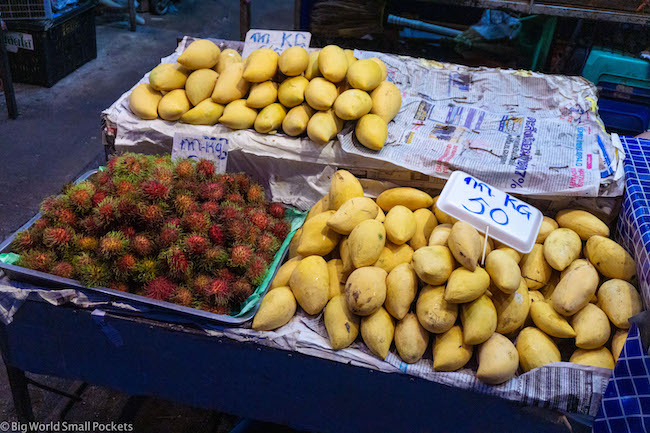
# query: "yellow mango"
365,74
382,66
260,65
619,300
401,289
200,84
440,234
504,271
372,131
412,198
400,224
309,283
352,104
349,54
442,217
270,118
297,119
342,326
393,255
548,225
377,331
320,94
512,309
200,54
591,327
323,126
293,61
561,247
317,238
365,290
450,352
173,105
292,91
535,269
411,339
276,309
386,101
575,290
610,258
549,321
237,115
230,85
582,222
168,76
433,264
600,357
425,222
343,186
333,63
618,341
206,112
536,349
337,277
498,360
434,313
465,285
351,213
366,241
262,94
465,244
284,273
479,319
144,100
312,70
227,57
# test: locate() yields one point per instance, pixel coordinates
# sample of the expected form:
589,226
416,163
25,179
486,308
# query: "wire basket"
25,9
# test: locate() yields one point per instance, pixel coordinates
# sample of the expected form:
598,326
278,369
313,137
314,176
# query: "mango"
200,84
230,85
342,326
317,238
206,112
237,115
411,198
320,94
262,94
292,91
276,309
168,76
364,74
260,65
371,131
401,289
386,101
479,319
433,264
582,222
309,283
498,360
465,285
465,244
200,54
365,290
323,126
382,66
293,61
297,119
343,187
270,118
312,70
411,339
227,57
144,100
377,331
173,105
333,63
352,104
434,313
366,242
450,352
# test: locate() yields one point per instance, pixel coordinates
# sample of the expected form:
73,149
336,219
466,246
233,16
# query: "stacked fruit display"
294,91
416,271
176,232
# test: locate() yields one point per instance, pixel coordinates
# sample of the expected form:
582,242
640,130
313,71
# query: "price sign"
201,147
277,40
505,218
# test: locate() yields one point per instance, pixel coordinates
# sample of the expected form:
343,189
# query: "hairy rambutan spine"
37,260
87,243
160,288
185,169
196,244
255,194
155,190
196,222
142,245
23,241
145,270
184,297
205,169
277,210
113,244
240,255
57,237
213,191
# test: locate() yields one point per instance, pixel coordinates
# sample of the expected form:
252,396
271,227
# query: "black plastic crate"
48,50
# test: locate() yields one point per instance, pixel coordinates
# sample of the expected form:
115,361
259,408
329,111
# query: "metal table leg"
20,393
5,75
244,18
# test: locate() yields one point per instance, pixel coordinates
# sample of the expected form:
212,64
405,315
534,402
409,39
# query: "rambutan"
173,222
142,245
127,208
210,208
255,194
152,215
266,242
196,244
90,225
202,284
87,243
37,260
260,220
155,190
240,255
229,211
220,309
185,169
242,181
235,198
82,260
205,169
162,160
80,196
123,186
176,261
65,217
227,179
113,244
241,290
106,212
128,231
57,237
216,234
23,241
120,287
185,204
52,204
225,274
280,229
221,291
183,297
40,225
160,288
252,233
169,235
93,275
130,165
98,197
211,191
104,179
236,230
196,222
163,174
256,271
125,265
188,187
145,270
277,210
213,259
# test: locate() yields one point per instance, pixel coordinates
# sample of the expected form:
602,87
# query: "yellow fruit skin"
575,290
200,54
377,331
337,277
401,289
333,63
276,309
591,326
619,300
320,94
343,186
292,91
352,104
365,290
173,105
600,357
400,224
450,351
237,115
168,76
386,101
262,94
561,247
350,56
365,74
351,213
393,255
317,238
342,326
548,225
610,258
479,319
412,198
372,131
618,341
322,127
433,264
297,119
549,321
144,100
465,244
465,286
534,268
411,339
261,65
582,222
434,313
498,360
227,57
309,283
512,309
270,118
425,221
200,84
366,242
536,349
382,66
230,85
206,112
284,273
293,61
504,271
312,70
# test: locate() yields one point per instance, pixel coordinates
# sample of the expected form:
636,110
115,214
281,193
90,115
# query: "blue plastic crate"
624,117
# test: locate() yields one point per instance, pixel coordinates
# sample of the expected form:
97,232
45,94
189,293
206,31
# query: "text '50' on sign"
277,40
510,220
197,147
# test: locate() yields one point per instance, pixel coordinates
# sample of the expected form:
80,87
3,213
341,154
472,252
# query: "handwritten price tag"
201,147
277,40
506,218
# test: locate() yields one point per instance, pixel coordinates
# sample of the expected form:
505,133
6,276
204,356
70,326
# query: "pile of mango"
398,269
293,92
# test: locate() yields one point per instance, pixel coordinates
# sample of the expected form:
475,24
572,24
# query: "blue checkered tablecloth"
625,407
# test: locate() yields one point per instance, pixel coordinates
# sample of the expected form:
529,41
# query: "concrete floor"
57,137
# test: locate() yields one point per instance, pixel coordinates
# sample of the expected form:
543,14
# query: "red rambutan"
196,244
104,179
266,242
98,197
257,270
113,244
277,210
260,220
185,204
82,260
229,211
160,288
184,297
87,243
196,222
241,290
127,208
23,241
57,237
201,285
205,169
93,275
221,291
177,261
225,274
142,245
123,186
164,174
41,224
169,235
106,212
173,222
216,234
236,230
213,259
128,231
152,214
37,260
234,198
90,225
120,287
211,208
80,196
145,270
155,190
125,264
65,216
242,181
240,255
51,204
255,194
185,169
252,234
211,191
280,229
220,309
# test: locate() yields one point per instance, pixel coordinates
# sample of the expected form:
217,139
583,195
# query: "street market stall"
533,135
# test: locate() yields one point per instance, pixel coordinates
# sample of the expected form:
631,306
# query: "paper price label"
488,209
277,40
201,147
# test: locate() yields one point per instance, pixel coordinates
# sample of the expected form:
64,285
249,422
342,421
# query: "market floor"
57,137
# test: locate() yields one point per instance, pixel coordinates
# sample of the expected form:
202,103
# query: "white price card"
488,209
201,147
277,40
